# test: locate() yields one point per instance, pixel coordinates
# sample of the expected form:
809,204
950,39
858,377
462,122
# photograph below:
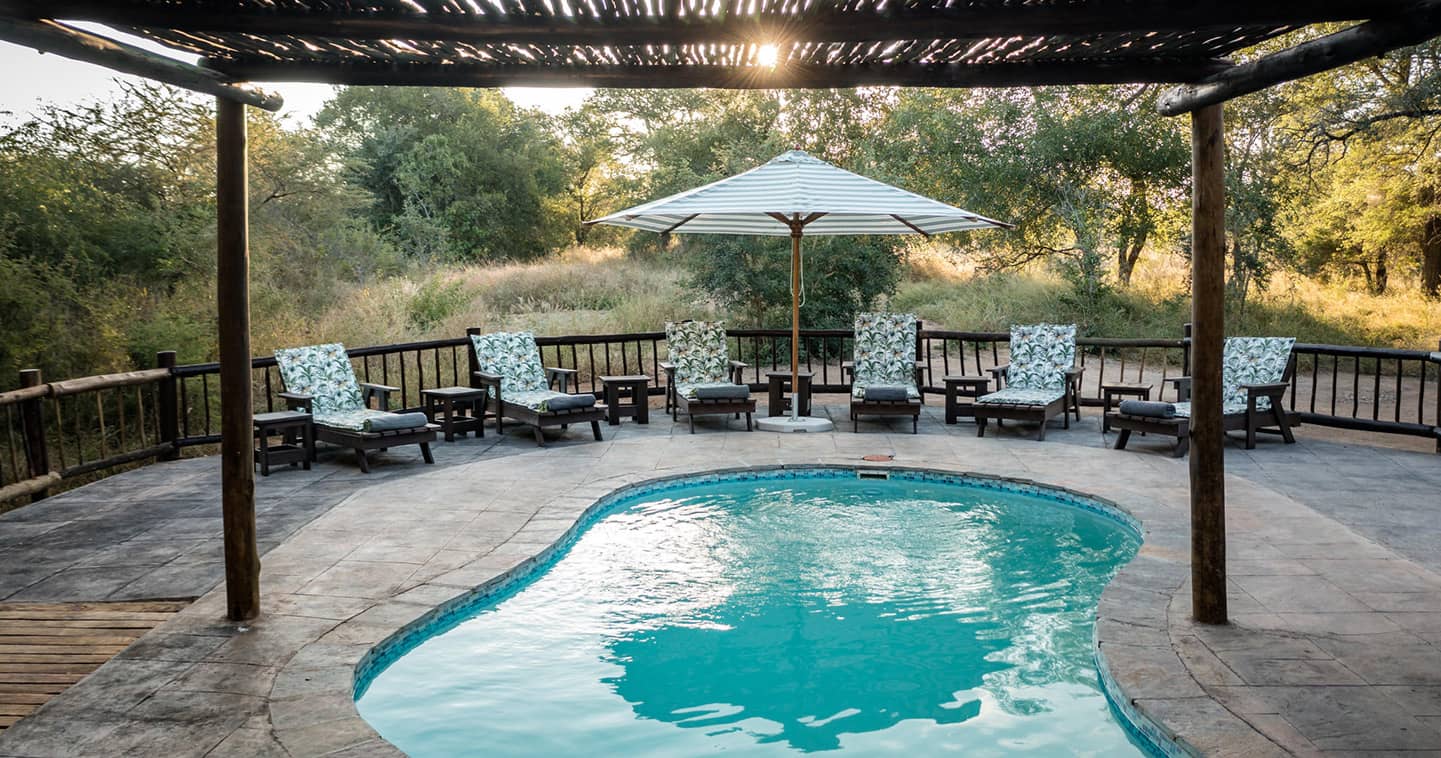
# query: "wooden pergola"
717,43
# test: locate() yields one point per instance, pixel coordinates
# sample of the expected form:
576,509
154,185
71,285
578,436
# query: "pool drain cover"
877,458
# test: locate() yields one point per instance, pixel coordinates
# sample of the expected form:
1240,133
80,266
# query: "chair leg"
1065,418
1123,439
691,418
539,436
1250,430
425,452
748,422
1283,422
1183,445
361,459
915,424
1041,431
980,426
595,429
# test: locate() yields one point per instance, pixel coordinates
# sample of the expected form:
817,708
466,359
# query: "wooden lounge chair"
320,379
885,378
705,381
1040,382
1255,373
508,365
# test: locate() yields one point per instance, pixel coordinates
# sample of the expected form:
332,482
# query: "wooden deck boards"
46,647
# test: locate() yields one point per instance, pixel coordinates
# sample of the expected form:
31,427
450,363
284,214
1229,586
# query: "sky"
32,79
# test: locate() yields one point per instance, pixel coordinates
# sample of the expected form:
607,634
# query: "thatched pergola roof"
691,43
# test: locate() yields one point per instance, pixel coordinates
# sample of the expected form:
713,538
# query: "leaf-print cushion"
361,419
1041,354
698,352
536,400
885,352
514,357
1252,360
1020,396
323,372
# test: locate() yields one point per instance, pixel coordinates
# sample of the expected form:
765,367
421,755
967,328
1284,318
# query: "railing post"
474,362
32,421
168,405
1186,349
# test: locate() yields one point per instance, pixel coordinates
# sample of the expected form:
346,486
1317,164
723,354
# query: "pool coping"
1140,720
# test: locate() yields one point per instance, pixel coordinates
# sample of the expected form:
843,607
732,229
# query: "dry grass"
600,290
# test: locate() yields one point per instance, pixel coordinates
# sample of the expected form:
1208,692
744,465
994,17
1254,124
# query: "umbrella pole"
795,320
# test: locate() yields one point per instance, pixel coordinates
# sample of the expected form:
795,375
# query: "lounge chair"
1040,382
508,365
1255,372
885,378
705,381
320,379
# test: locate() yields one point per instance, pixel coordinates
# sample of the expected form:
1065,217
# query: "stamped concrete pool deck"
1334,649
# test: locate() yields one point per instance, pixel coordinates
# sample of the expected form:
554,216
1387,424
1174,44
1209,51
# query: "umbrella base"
799,424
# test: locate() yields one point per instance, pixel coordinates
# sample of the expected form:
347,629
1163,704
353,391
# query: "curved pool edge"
1131,715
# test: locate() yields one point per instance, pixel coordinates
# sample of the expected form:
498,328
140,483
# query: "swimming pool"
780,612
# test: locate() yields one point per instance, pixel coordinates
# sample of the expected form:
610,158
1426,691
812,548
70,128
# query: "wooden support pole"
1420,22
69,42
795,321
237,468
1208,279
167,404
32,423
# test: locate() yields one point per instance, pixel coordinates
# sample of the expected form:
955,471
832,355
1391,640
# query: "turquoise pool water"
777,616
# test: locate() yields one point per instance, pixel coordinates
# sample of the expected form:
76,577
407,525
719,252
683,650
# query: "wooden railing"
62,432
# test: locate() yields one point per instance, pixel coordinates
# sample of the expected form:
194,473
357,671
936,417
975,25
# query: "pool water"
782,616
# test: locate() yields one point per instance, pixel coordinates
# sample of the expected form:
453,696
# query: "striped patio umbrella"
796,194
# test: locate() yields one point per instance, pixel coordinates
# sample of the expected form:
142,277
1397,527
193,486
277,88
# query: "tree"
455,174
1085,173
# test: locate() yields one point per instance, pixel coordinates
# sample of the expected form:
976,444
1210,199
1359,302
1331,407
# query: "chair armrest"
1273,390
998,373
737,371
489,381
562,376
380,391
294,400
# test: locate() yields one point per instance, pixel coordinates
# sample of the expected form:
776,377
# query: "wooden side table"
294,428
777,404
451,404
636,388
1113,392
958,387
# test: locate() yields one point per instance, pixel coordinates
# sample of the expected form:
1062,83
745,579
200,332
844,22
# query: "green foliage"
453,174
435,301
750,276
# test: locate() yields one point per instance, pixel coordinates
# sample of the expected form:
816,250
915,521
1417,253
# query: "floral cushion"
688,391
858,391
360,419
1041,354
1252,360
514,357
324,373
536,400
698,351
885,352
1022,396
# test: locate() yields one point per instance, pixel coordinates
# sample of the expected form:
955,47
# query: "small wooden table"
958,387
637,397
295,428
1114,391
451,404
777,403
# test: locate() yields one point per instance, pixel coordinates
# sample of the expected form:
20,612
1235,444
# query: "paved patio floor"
1335,649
